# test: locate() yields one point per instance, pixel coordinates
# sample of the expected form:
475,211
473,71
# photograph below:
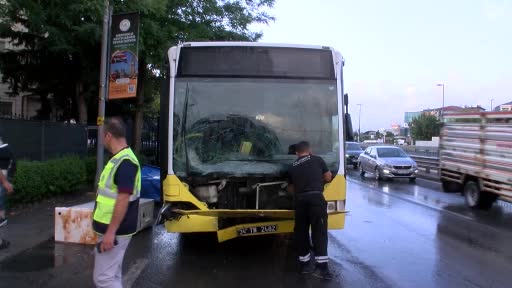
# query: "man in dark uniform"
6,160
307,177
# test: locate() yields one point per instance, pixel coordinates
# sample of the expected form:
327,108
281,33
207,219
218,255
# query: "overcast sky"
396,51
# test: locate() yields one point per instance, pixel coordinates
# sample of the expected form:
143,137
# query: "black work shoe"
4,244
305,268
323,273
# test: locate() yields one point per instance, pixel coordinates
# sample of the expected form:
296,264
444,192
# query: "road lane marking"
134,272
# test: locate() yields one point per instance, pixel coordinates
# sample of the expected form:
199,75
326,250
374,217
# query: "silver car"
386,162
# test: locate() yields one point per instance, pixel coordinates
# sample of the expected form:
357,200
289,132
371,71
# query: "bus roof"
254,44
337,57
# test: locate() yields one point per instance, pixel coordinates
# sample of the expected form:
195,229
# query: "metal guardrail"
426,151
428,165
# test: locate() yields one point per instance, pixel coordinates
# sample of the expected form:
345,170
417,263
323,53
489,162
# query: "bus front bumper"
192,221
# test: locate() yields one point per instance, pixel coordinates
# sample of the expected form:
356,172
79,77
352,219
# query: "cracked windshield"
249,125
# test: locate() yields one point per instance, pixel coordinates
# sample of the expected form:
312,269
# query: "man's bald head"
115,126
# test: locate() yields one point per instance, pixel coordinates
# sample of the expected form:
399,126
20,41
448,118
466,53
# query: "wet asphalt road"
397,235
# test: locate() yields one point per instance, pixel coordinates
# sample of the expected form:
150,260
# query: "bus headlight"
340,205
333,206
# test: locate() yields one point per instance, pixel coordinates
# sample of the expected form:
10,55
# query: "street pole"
491,104
359,124
442,109
103,90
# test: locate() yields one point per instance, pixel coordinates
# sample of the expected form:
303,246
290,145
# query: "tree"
56,55
389,137
424,127
186,20
58,44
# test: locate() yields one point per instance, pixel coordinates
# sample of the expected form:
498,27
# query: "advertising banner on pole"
124,64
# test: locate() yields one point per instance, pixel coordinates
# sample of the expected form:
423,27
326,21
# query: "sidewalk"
34,224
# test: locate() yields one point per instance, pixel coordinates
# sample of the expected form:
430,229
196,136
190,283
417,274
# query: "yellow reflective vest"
107,195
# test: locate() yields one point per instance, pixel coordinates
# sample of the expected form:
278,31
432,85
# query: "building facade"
409,116
19,106
504,107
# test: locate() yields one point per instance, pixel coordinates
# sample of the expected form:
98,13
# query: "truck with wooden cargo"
475,155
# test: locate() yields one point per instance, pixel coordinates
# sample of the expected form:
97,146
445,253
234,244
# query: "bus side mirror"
349,132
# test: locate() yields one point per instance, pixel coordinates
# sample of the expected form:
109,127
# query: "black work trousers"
311,211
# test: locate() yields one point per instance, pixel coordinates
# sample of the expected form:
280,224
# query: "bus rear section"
230,116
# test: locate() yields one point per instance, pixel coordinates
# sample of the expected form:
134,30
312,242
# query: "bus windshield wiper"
183,128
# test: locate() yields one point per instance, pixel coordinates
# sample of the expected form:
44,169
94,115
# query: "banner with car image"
124,64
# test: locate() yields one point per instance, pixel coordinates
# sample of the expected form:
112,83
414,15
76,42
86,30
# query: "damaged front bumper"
190,221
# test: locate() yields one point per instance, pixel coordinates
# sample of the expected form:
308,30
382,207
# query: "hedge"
90,170
36,180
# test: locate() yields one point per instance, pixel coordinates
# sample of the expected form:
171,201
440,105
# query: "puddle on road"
44,256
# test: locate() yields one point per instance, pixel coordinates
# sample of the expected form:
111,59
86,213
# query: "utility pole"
442,109
103,89
491,104
359,124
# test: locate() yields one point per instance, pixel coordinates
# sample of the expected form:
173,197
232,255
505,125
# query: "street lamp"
491,104
442,109
359,124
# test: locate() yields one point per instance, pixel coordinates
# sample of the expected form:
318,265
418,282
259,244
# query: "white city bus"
230,114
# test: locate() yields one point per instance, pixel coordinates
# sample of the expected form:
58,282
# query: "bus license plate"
257,230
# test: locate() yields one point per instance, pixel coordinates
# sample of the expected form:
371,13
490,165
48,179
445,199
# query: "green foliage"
59,51
390,137
35,180
90,169
424,127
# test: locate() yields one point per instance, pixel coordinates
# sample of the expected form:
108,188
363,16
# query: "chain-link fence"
41,140
149,139
150,144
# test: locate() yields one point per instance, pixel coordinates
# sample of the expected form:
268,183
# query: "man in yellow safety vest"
117,203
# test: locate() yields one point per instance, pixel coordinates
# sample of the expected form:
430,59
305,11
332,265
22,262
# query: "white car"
386,162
